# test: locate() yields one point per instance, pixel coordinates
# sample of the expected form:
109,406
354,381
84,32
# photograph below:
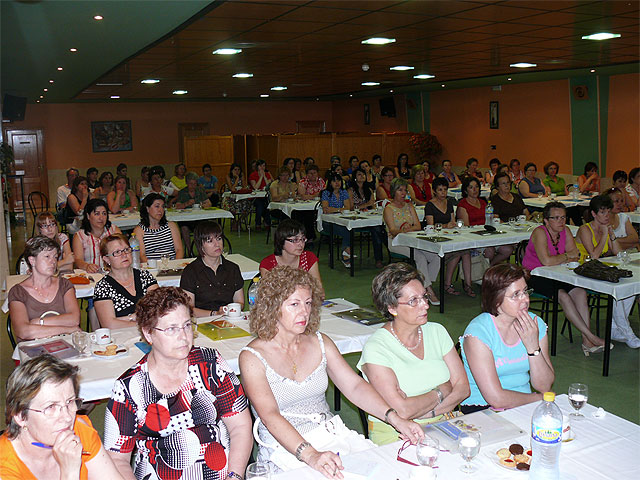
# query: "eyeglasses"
55,409
297,240
118,253
415,301
173,331
48,225
558,217
213,238
520,295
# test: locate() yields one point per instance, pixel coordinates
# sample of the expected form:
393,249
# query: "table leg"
331,245
554,319
352,263
443,265
607,337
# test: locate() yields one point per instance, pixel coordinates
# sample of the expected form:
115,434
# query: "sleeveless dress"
158,242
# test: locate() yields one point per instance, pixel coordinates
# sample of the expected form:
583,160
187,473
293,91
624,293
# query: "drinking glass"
468,446
438,227
513,221
578,395
80,341
258,471
164,261
427,451
623,256
460,223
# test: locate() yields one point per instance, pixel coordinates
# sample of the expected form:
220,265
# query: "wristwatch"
535,353
440,395
235,475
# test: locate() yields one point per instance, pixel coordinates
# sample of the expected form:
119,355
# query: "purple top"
531,260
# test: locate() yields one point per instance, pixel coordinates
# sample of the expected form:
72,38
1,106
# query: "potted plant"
425,146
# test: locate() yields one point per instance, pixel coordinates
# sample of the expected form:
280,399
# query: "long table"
604,448
97,375
485,192
625,288
248,268
289,207
540,202
132,219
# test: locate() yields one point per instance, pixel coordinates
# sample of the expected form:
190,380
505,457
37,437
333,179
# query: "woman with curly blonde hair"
285,376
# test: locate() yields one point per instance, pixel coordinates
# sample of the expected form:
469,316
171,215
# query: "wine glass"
80,340
468,446
438,228
578,395
512,222
164,262
258,471
427,451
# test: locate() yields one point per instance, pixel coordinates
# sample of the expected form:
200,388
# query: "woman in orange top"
45,439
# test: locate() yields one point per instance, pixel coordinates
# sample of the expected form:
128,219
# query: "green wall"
584,124
418,118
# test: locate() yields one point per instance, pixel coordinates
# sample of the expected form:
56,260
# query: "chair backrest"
20,258
38,202
519,252
226,241
10,333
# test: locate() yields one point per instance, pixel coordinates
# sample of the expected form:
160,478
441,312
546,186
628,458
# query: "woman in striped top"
157,236
86,242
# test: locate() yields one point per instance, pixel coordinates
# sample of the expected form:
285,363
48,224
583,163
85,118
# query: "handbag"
599,271
330,434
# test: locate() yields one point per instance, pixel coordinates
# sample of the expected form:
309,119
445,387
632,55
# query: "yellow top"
583,251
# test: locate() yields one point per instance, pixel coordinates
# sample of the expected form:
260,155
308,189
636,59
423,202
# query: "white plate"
109,357
494,459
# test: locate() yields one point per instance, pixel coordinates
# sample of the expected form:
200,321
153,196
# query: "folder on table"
221,330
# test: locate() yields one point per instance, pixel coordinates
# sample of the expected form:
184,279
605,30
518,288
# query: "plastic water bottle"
488,214
135,250
253,292
546,439
575,192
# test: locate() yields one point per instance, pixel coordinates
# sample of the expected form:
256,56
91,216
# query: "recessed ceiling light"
226,51
351,94
391,91
50,81
370,84
109,84
115,96
442,85
149,81
45,89
593,70
423,76
509,78
278,88
98,17
401,68
264,95
180,92
41,96
378,41
243,75
37,101
73,49
523,65
601,36
59,69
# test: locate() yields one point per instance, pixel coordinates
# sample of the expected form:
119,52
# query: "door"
28,153
190,130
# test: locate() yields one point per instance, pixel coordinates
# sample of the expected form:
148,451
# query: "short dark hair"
77,182
92,205
549,165
465,184
234,165
386,170
546,211
206,165
260,162
399,157
175,169
157,303
120,167
144,169
590,166
157,170
38,244
529,165
633,172
494,161
495,282
599,202
498,176
203,231
72,169
352,158
308,161
619,174
471,160
311,166
513,160
386,286
90,170
445,161
376,157
439,182
104,175
286,229
146,203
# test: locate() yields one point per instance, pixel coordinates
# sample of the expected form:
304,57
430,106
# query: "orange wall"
348,116
534,124
623,138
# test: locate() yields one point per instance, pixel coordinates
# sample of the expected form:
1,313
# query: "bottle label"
547,436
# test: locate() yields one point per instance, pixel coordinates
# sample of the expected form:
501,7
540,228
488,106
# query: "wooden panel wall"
320,147
215,150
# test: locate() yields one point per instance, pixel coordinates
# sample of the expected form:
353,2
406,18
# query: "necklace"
554,242
294,367
46,297
411,349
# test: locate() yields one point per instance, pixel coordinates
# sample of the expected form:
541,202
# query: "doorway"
190,130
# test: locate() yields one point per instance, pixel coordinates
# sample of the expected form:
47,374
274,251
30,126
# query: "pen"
42,445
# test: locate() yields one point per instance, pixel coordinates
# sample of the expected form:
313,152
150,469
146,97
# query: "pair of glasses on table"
407,444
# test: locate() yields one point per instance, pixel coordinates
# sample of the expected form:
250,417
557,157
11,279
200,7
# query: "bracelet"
440,395
387,413
235,475
300,449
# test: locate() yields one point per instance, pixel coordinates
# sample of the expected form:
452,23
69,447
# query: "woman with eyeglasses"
335,199
505,349
180,407
48,227
116,294
407,347
45,437
552,244
211,281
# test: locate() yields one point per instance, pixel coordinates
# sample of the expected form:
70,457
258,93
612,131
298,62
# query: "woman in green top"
407,348
553,181
120,197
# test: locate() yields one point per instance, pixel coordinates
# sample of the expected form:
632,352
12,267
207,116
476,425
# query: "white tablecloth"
604,448
288,207
360,220
244,196
248,268
634,217
98,374
131,220
583,201
456,193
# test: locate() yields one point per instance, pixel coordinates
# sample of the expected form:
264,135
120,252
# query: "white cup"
196,206
126,212
429,229
522,218
232,310
101,336
552,196
152,263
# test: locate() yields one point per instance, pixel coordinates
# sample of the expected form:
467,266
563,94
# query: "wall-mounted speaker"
13,107
387,107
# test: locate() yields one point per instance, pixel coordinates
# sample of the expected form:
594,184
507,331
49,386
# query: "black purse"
599,271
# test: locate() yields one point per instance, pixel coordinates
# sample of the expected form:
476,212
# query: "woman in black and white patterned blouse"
116,294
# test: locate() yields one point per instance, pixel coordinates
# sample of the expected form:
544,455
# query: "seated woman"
362,195
597,239
105,186
383,192
285,373
158,237
505,349
95,227
44,304
156,185
429,176
283,188
260,180
403,169
552,244
400,216
116,294
471,210
620,182
410,347
552,181
419,188
179,179
449,175
440,210
311,185
189,196
45,438
515,173
235,182
336,199
633,189
472,169
76,203
370,177
622,228
506,205
120,198
494,163
180,406
211,281
143,181
48,227
531,186
589,182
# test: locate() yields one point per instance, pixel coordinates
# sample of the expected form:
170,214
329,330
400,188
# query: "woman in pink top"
553,244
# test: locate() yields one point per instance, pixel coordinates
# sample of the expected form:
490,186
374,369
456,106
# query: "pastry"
503,453
522,458
508,462
523,466
516,448
79,280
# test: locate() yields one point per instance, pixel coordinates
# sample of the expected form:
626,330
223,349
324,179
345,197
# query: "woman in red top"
384,188
471,210
419,188
429,176
260,179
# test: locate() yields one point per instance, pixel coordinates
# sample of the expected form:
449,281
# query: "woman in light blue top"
336,199
505,349
532,186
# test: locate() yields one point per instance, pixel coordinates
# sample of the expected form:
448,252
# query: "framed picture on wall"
494,115
112,136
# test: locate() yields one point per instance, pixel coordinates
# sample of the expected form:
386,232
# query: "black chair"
10,332
18,263
38,203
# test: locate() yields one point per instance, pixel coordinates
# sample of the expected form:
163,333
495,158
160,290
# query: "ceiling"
312,47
